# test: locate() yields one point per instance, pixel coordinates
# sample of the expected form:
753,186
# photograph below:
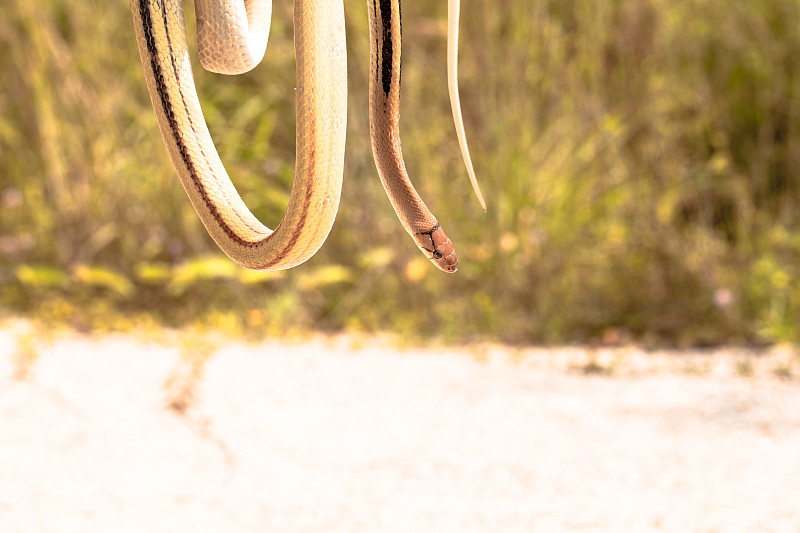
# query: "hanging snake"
232,38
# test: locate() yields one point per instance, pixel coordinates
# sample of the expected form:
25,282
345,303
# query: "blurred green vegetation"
640,158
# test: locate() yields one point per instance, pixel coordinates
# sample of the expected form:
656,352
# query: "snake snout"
441,249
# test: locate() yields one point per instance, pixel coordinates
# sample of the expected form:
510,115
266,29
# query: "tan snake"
232,38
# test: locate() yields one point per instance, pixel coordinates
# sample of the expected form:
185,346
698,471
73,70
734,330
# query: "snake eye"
437,254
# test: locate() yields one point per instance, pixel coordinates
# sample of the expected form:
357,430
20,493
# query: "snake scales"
232,38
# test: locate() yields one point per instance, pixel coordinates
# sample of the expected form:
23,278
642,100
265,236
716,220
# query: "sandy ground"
343,435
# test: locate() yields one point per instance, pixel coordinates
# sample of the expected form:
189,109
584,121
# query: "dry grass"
639,157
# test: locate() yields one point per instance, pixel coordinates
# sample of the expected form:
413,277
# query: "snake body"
384,125
232,37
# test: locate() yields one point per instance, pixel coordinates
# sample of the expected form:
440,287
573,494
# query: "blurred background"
640,158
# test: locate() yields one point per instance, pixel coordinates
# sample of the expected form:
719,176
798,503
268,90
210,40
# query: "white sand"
321,437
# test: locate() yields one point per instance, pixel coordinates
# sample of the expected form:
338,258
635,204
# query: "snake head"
439,249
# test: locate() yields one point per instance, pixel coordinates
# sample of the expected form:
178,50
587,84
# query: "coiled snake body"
232,37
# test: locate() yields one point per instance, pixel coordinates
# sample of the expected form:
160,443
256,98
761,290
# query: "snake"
232,38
